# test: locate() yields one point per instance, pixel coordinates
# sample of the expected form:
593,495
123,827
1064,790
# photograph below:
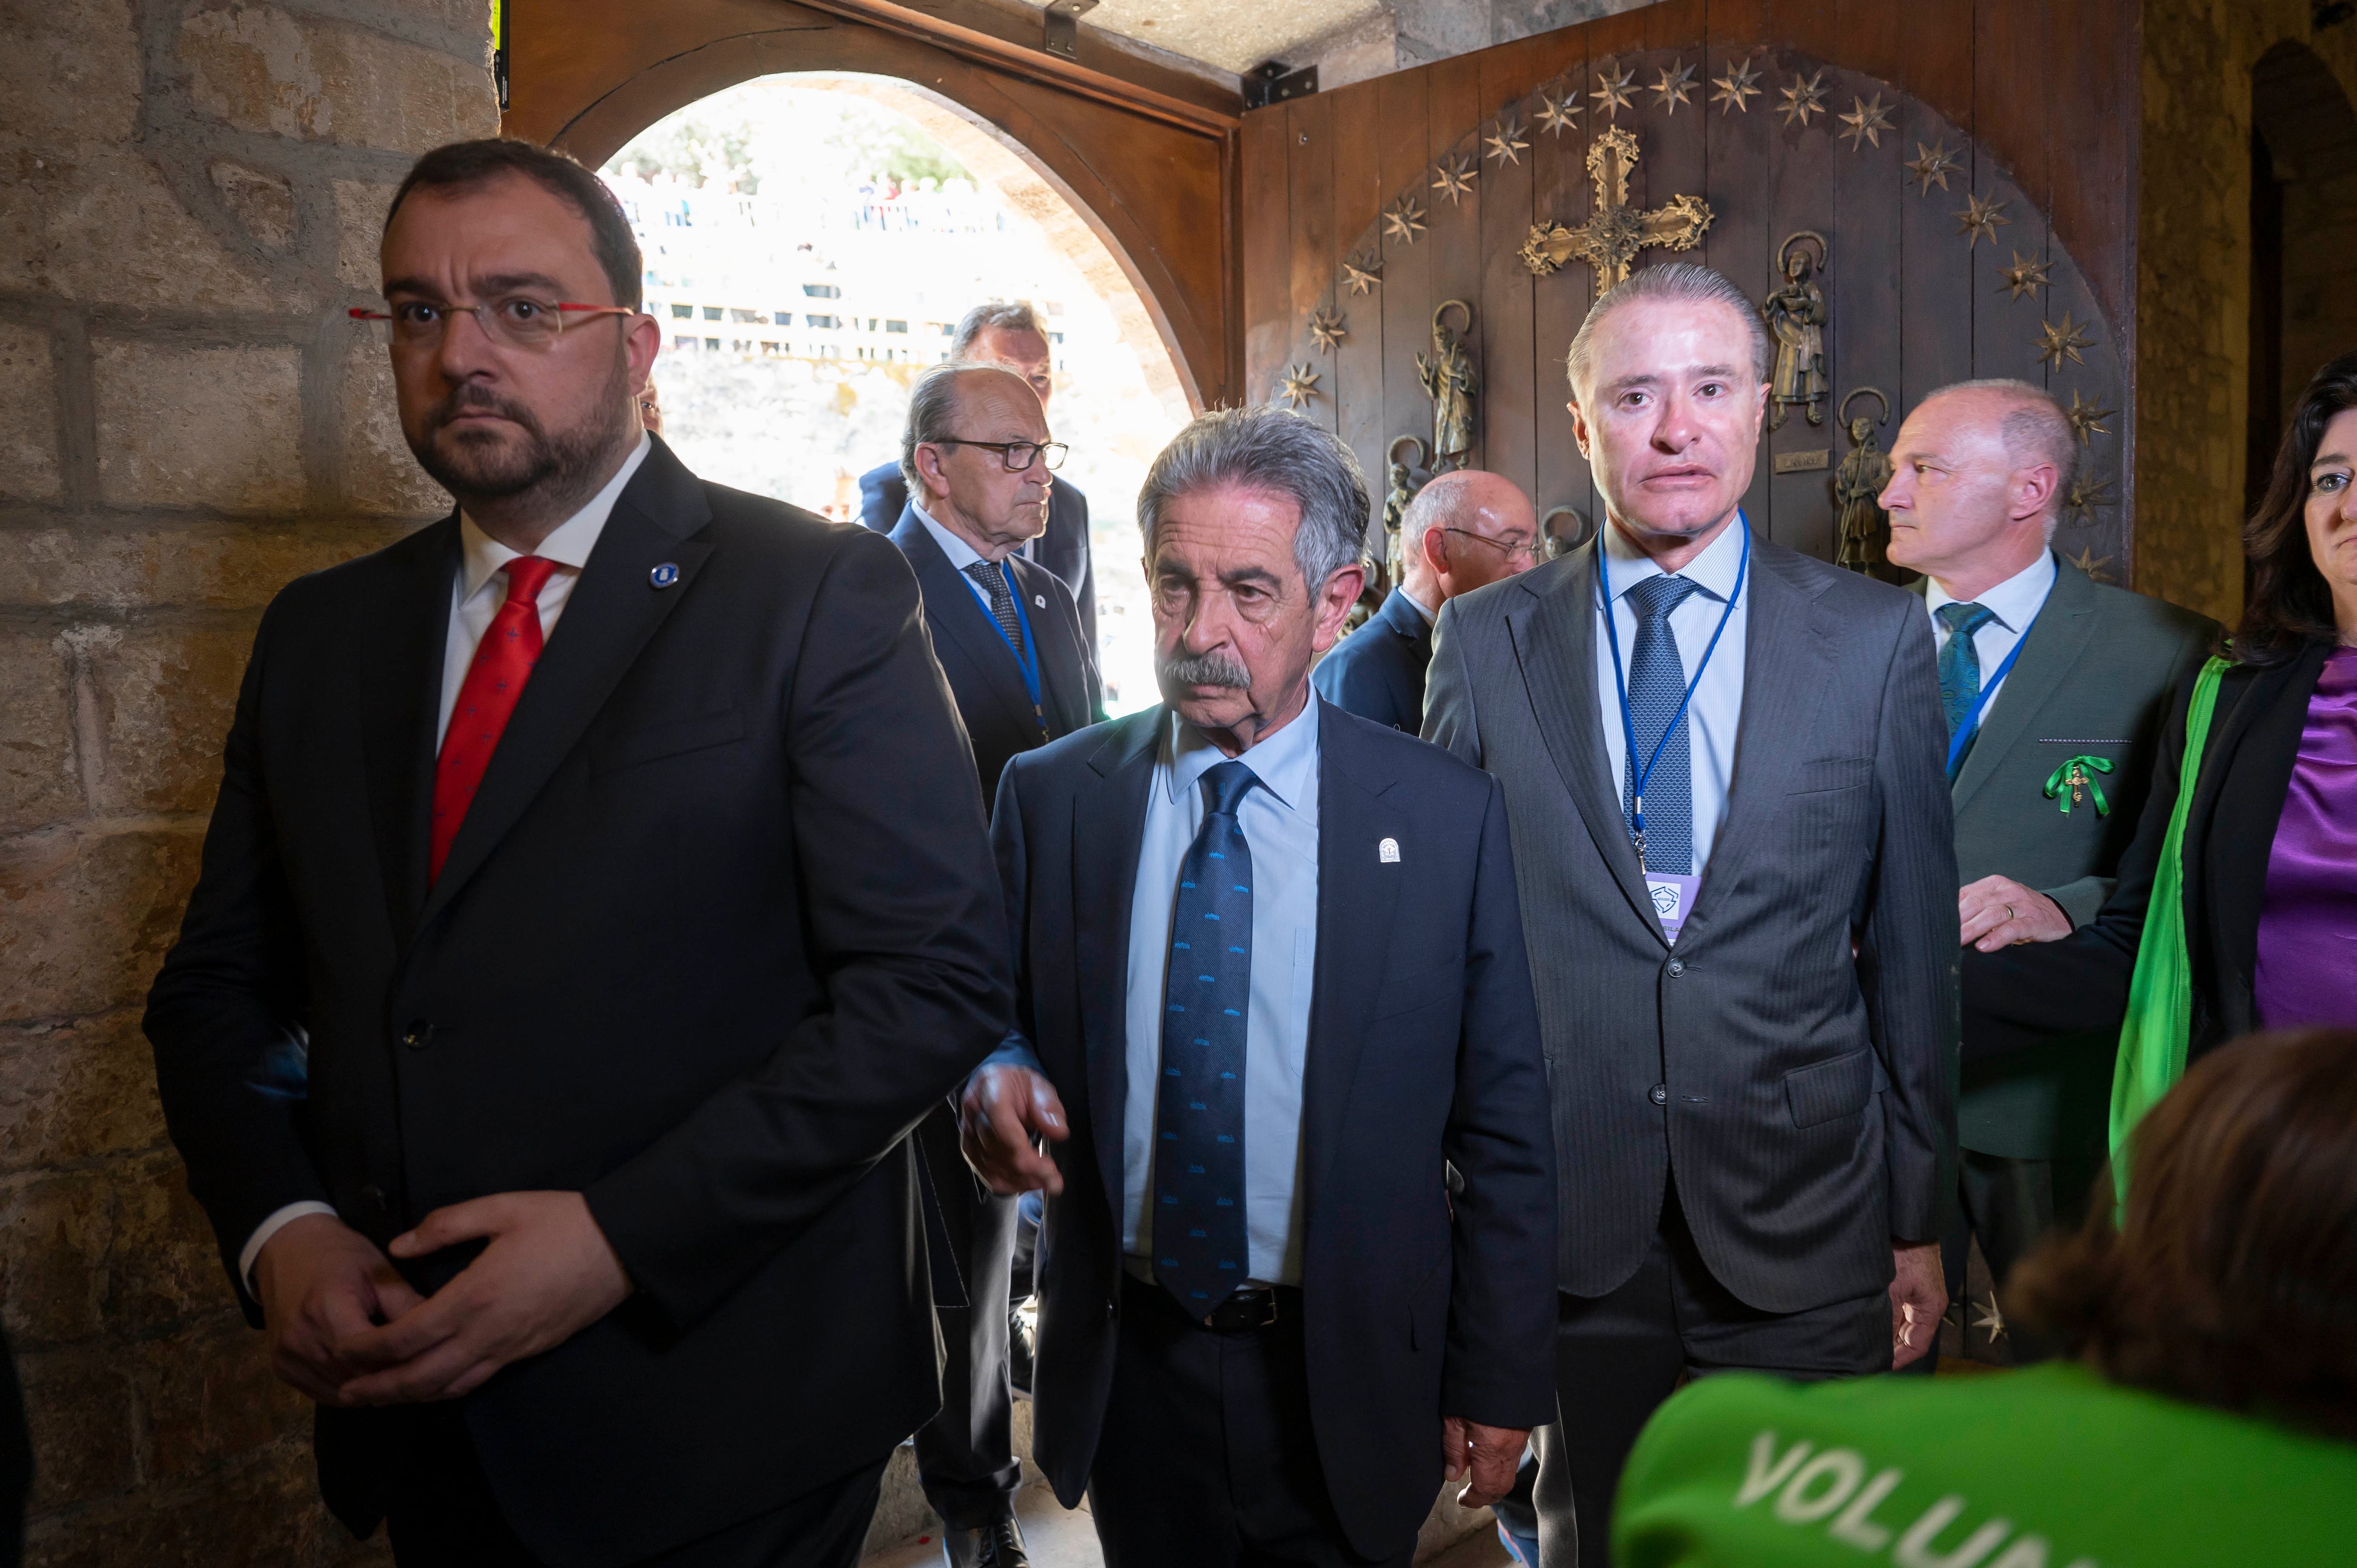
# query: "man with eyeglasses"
977,458
586,918
1464,531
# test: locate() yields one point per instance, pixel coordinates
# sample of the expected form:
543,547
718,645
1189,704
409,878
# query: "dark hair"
474,162
2290,607
2233,1282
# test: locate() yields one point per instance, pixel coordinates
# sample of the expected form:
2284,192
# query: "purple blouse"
2307,926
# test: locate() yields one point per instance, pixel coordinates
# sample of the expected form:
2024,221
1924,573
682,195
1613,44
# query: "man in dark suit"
2054,689
1301,1206
1733,839
1464,531
1001,333
977,456
544,1022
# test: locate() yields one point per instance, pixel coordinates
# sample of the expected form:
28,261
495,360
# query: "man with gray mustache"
1271,986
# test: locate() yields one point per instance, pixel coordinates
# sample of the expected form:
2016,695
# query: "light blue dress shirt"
1717,712
2015,602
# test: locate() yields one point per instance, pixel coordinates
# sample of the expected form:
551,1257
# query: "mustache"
474,397
1203,670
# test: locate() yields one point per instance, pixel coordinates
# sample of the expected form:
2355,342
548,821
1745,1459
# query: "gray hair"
2034,429
1688,283
933,405
1277,451
1007,316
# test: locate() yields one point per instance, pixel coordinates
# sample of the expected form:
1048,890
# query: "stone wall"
2194,283
190,195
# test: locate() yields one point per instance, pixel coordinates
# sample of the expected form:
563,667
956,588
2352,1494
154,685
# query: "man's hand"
1004,1108
1484,1457
548,1274
1999,912
322,1284
1919,1296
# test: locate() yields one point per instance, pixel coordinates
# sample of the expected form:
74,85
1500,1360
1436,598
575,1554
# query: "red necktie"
504,662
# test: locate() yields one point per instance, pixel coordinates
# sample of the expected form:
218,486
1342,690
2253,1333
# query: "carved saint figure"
1861,528
1449,381
1795,316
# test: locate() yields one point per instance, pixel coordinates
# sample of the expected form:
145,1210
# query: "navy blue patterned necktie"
992,578
1657,687
1200,1241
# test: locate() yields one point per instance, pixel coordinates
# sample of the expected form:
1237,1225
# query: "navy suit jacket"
1063,549
984,676
1377,671
1423,1056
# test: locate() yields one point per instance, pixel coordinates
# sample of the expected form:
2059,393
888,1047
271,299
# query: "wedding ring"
2009,914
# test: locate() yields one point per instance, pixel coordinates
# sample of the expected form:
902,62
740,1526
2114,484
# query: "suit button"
1659,1093
418,1035
1677,968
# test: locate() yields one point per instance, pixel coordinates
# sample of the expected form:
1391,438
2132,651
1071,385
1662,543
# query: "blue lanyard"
1027,657
1621,682
1958,742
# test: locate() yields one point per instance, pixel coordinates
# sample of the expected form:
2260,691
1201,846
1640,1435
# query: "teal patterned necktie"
1960,662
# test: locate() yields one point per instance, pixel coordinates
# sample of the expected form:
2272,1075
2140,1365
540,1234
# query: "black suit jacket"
719,927
1423,1051
983,674
1377,671
1063,549
2016,996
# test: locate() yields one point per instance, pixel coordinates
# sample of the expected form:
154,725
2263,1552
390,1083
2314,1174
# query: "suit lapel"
1063,680
614,609
1553,631
2064,628
400,701
2257,747
1108,828
957,617
1357,895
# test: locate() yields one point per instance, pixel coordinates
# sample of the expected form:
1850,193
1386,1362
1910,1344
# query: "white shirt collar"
1286,763
1429,612
1714,570
481,557
2014,602
961,555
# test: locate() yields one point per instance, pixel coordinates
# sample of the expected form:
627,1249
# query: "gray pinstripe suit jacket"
1809,1097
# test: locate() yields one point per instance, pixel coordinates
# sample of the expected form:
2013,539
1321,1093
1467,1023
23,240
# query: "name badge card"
1673,895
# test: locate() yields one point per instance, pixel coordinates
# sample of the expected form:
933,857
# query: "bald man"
2053,689
1464,531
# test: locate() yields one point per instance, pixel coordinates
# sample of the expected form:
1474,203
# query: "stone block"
71,66
90,914
167,694
207,427
208,564
39,780
264,202
359,226
256,68
262,1510
28,413
380,473
54,1232
71,1093
96,223
163,1270
210,1395
78,1402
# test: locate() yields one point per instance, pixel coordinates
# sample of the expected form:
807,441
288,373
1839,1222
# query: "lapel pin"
1039,601
664,575
1387,851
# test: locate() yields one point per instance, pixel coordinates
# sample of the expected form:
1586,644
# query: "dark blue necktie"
1199,1242
1657,689
1960,662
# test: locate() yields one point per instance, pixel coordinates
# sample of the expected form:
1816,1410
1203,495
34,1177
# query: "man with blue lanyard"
1722,761
977,458
2053,689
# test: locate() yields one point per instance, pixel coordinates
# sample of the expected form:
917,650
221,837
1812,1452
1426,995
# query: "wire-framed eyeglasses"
1528,549
1017,456
518,321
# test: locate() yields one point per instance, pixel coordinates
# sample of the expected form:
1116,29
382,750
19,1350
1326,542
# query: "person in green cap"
2208,1414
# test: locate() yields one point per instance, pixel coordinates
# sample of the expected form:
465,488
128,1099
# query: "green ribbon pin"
2064,784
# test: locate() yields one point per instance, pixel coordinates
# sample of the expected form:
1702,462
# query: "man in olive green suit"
2055,688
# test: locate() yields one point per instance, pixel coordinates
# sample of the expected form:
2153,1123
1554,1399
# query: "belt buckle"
1229,1317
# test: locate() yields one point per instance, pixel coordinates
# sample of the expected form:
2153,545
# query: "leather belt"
1246,1311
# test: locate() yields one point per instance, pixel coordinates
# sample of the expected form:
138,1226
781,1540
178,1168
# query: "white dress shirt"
1279,819
474,600
1429,612
961,555
2015,602
1717,711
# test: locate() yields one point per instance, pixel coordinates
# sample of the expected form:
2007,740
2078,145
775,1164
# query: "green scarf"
2160,994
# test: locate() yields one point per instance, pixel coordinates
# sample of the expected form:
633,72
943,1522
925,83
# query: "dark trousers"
2011,1203
1207,1459
1617,1357
442,1515
965,1455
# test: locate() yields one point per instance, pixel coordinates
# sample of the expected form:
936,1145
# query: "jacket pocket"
1828,1090
652,743
1828,773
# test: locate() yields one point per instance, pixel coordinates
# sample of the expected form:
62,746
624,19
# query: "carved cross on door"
1608,241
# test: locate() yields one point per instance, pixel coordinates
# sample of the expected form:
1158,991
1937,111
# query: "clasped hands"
1997,911
346,1329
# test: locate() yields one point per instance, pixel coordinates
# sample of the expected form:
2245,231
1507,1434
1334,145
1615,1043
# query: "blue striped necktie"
1200,1241
1657,687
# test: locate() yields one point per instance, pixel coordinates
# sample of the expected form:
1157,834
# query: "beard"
562,469
1185,670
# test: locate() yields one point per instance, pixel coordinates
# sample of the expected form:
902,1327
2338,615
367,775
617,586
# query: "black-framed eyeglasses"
1528,549
1017,456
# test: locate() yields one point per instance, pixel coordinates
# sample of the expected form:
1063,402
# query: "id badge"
1673,897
